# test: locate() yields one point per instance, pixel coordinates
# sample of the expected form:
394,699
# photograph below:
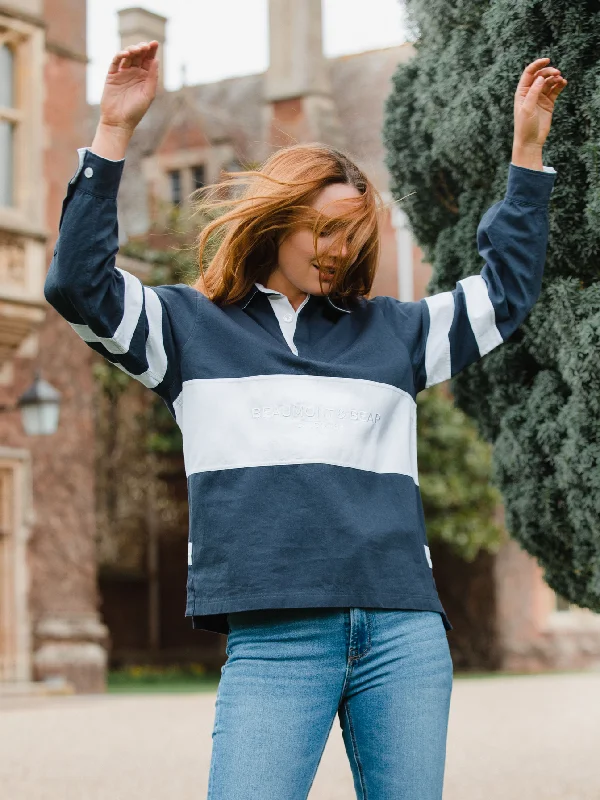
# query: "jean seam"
369,641
349,665
359,766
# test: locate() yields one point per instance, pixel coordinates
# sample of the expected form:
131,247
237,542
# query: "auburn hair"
254,211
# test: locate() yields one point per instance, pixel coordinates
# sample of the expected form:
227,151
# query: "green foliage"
169,678
454,477
163,433
111,381
448,132
160,433
174,265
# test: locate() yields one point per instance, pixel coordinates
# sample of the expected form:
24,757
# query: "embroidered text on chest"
316,413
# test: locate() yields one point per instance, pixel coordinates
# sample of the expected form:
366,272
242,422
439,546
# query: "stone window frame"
195,170
175,186
186,180
26,214
16,521
9,113
157,169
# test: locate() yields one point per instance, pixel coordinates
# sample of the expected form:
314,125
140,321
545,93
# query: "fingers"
557,89
553,86
152,76
547,72
533,94
550,86
538,67
149,55
136,55
529,73
552,73
535,65
144,52
114,64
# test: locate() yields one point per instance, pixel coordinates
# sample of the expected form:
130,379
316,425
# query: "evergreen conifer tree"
448,132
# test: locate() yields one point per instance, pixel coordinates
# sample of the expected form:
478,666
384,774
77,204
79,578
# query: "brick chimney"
299,102
138,25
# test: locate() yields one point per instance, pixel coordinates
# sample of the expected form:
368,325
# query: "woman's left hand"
536,94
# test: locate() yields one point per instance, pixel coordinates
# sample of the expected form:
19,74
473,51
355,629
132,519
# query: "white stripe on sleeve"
120,343
133,303
178,409
437,349
481,314
155,348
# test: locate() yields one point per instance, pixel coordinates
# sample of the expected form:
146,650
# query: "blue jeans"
387,674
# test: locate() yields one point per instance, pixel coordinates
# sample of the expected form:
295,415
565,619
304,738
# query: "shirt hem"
212,614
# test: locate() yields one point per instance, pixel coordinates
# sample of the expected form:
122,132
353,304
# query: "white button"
287,318
88,172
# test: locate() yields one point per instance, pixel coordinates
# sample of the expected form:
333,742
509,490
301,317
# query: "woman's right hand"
130,86
129,89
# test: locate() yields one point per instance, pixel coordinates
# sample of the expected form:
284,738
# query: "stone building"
49,621
53,618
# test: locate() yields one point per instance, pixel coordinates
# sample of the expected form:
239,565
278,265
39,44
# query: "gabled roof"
232,110
361,85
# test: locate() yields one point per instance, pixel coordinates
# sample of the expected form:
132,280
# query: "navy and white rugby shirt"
299,427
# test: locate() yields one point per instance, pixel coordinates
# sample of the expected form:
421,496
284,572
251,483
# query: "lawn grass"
174,680
168,687
170,679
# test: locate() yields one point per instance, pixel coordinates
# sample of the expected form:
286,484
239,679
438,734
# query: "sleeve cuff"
532,186
97,175
545,169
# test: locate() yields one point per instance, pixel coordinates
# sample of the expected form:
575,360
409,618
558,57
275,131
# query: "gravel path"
510,738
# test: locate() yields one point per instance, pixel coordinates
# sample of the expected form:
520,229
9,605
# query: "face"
296,274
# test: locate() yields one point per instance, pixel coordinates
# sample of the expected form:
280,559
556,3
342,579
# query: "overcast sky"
216,39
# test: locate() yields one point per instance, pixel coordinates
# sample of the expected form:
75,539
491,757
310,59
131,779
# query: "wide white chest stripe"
266,420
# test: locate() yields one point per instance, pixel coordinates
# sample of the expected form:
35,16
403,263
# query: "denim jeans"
386,674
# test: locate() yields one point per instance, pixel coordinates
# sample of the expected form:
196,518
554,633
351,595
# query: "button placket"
287,316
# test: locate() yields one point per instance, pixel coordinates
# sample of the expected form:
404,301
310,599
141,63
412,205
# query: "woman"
296,398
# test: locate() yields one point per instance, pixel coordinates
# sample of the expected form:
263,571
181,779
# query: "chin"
326,286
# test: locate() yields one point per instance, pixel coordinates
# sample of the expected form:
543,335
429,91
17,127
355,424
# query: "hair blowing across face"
257,209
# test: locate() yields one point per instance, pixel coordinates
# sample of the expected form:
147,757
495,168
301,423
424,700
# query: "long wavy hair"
254,211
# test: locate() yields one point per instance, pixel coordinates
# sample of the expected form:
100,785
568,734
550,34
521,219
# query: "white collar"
264,289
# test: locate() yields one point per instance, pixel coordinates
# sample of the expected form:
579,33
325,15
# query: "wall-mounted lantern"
40,408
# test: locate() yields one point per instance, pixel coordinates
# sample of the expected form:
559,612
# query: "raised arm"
129,89
483,310
138,328
460,326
